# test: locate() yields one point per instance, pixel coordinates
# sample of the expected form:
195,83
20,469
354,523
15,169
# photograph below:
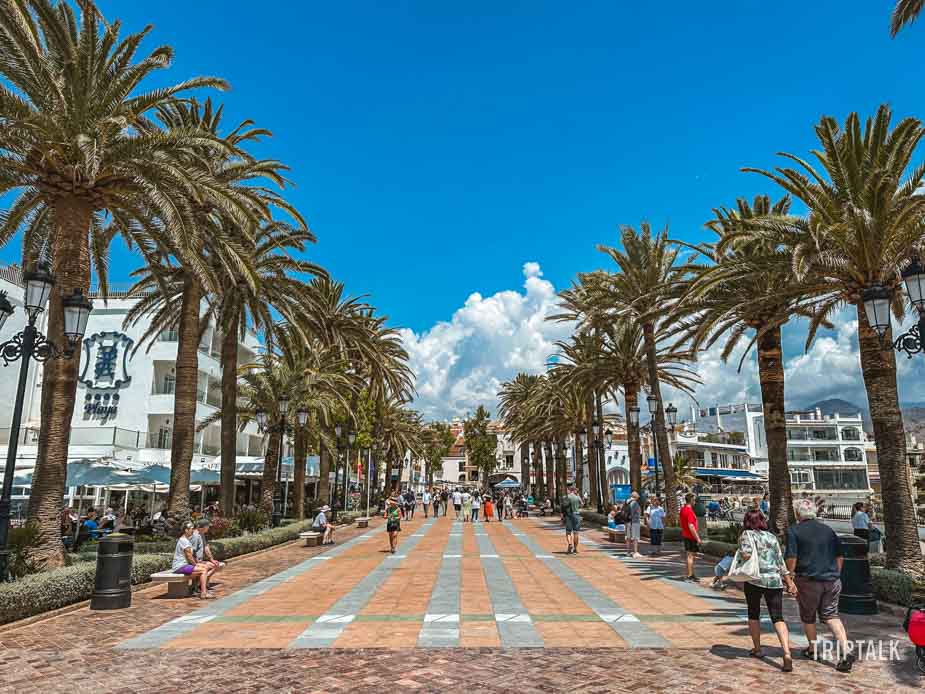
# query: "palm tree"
864,224
513,399
88,165
242,305
905,12
174,294
684,470
643,289
748,285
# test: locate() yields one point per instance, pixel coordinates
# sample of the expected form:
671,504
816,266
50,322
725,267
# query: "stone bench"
614,535
178,585
311,538
362,522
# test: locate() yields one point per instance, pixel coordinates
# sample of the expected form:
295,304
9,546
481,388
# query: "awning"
508,484
727,473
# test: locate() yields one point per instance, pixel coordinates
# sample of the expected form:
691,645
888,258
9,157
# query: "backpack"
564,507
623,514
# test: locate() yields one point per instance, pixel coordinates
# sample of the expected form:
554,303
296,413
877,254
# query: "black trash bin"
857,589
112,589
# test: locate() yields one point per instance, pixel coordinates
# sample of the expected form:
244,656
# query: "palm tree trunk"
268,481
561,478
71,267
579,465
300,446
631,399
878,364
593,469
771,377
229,422
540,491
664,452
184,404
324,473
601,462
551,490
388,476
525,466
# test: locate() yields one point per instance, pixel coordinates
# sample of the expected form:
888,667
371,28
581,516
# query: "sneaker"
844,665
637,555
692,579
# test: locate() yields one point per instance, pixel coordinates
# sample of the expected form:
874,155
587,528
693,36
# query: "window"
854,455
169,384
800,478
850,434
168,336
509,461
840,478
462,465
699,459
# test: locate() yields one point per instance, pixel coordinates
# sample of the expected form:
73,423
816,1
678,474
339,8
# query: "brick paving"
451,611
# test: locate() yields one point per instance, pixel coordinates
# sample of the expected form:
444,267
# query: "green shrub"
893,586
729,533
222,527
21,542
718,549
251,520
232,547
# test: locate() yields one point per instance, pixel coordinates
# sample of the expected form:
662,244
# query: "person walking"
572,508
765,506
489,509
815,555
476,505
656,521
773,575
466,505
425,502
860,522
457,503
410,503
689,535
508,506
393,522
633,525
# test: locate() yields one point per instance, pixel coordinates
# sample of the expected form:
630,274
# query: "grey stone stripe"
630,629
329,626
441,623
181,625
515,627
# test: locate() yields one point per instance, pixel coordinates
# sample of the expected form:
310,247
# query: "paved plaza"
460,606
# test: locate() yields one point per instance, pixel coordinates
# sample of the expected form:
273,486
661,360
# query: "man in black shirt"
815,555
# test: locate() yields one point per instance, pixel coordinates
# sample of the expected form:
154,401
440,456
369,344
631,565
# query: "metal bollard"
857,589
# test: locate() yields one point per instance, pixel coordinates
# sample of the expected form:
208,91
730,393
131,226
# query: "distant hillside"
914,421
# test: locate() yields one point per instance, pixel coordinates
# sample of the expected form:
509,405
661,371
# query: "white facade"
827,455
125,399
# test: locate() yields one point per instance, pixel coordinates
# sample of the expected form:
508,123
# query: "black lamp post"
25,346
598,448
877,303
653,403
351,439
632,415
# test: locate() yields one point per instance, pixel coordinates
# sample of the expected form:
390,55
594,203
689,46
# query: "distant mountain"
843,407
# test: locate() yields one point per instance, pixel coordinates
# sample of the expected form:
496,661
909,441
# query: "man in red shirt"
690,535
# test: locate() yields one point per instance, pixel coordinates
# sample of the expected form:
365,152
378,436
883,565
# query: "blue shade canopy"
508,484
155,473
205,476
85,473
721,472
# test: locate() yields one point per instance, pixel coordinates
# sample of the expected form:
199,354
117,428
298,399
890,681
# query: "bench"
362,522
614,534
311,538
178,585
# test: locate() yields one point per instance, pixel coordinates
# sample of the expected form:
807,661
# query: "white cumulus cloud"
461,363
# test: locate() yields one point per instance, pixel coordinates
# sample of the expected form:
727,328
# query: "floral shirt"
771,564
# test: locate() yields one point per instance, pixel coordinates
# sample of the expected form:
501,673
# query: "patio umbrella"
508,484
204,476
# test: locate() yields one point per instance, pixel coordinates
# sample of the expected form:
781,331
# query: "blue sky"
437,147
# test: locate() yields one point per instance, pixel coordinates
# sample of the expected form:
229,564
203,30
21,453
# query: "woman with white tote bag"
759,562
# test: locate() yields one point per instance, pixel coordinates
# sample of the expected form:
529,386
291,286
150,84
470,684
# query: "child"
720,570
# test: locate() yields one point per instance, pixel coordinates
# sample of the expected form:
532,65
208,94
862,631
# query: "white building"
827,455
125,398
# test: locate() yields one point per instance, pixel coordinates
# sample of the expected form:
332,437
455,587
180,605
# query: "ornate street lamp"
302,417
877,302
633,414
671,412
653,403
608,438
30,344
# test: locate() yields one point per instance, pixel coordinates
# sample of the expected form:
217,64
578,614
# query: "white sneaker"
637,555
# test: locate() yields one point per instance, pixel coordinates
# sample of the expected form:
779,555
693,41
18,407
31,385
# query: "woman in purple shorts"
185,563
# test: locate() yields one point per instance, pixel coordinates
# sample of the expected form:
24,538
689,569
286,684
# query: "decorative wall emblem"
105,363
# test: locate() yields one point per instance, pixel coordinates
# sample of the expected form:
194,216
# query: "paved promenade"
460,606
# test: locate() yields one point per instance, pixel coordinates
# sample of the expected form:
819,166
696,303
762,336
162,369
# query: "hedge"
894,586
42,592
50,590
718,549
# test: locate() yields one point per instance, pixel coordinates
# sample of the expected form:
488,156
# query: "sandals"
756,653
788,664
809,653
208,596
